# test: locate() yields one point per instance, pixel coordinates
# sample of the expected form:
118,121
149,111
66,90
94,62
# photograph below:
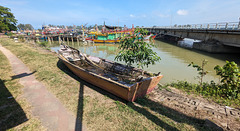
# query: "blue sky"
123,12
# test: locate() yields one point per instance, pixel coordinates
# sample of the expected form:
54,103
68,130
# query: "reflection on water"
174,60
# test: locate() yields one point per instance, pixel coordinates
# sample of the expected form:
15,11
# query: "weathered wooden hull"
129,93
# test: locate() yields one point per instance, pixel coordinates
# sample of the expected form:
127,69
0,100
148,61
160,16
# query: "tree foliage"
7,20
25,27
230,79
134,49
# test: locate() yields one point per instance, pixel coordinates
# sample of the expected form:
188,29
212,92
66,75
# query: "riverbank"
98,109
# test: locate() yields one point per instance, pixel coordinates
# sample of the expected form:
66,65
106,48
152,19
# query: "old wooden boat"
123,81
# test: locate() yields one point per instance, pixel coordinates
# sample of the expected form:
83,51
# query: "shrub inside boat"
124,81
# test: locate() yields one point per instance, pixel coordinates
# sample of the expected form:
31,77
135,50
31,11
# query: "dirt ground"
216,116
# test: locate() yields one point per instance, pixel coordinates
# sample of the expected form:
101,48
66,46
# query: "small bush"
210,90
9,34
230,79
43,44
21,38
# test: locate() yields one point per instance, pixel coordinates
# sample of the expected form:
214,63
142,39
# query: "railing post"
239,23
226,26
201,26
216,25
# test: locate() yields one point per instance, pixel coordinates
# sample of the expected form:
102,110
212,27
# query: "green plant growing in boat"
201,70
133,49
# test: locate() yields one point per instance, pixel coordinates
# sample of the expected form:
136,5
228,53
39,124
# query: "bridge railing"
215,26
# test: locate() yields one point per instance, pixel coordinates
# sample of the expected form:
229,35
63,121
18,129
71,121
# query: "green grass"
15,112
98,109
207,90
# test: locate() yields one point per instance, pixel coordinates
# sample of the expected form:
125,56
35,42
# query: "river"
174,60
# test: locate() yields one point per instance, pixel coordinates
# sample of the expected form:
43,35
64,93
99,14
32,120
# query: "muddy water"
174,60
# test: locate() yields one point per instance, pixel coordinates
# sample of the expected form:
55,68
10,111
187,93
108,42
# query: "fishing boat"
105,41
121,80
104,38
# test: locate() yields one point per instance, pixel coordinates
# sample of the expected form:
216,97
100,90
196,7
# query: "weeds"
209,90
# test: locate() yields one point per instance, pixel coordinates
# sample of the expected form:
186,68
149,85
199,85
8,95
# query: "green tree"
25,27
7,20
134,49
20,26
28,27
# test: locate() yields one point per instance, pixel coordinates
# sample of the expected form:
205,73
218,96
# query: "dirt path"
46,106
197,107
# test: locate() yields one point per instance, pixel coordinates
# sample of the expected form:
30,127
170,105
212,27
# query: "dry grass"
98,109
15,112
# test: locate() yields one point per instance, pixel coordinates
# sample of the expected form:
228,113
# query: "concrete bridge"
221,37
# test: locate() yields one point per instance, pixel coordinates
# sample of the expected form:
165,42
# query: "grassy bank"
209,91
97,109
15,112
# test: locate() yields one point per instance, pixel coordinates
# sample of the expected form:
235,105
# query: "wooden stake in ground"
59,40
49,40
72,41
67,41
63,39
52,39
77,40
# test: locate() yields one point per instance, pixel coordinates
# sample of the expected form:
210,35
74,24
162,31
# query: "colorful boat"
123,81
112,35
105,38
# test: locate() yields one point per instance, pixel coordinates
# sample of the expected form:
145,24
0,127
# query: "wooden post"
49,40
63,39
77,41
72,40
67,41
59,40
52,39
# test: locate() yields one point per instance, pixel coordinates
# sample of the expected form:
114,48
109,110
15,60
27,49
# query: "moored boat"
123,81
105,41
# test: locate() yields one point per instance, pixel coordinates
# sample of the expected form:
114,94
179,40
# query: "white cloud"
182,12
131,15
